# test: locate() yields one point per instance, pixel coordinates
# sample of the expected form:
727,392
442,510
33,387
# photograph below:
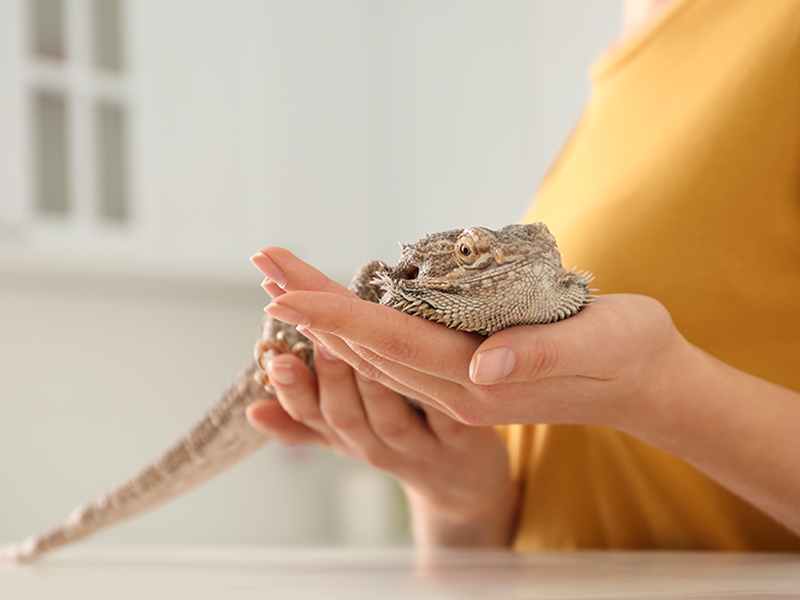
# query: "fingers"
395,422
383,344
344,315
412,356
271,288
394,339
269,417
446,429
354,417
377,423
341,405
274,263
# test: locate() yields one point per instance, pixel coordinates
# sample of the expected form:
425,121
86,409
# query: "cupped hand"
455,475
590,368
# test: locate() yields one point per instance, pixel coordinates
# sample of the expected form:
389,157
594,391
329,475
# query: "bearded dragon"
475,280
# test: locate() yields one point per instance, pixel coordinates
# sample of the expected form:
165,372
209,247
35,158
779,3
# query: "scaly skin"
483,281
474,279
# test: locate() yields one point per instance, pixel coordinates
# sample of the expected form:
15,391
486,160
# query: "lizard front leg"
279,338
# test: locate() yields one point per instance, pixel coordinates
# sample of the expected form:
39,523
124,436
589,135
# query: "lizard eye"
466,252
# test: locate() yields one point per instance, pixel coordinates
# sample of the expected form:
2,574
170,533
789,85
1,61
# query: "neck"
639,13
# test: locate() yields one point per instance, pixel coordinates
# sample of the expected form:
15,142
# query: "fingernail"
492,365
281,374
272,271
325,353
285,314
273,290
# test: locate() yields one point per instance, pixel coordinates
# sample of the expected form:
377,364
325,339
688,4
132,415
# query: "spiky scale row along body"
475,279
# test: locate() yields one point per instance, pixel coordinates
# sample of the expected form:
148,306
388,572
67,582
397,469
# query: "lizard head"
484,280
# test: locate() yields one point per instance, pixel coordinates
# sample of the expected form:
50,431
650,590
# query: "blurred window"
80,105
50,142
110,147
107,34
48,27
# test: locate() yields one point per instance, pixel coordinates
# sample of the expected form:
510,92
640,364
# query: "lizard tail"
219,439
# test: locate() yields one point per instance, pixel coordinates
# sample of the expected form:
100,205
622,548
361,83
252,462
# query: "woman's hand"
619,362
456,476
587,369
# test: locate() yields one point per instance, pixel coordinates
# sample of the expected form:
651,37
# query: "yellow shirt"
681,182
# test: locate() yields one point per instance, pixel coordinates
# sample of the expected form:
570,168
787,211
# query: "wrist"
658,406
485,521
679,401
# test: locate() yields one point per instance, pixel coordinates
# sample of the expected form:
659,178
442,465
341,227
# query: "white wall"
356,124
333,128
99,375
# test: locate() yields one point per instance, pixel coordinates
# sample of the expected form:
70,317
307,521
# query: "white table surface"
195,573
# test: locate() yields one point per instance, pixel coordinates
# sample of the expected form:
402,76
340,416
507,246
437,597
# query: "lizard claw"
268,348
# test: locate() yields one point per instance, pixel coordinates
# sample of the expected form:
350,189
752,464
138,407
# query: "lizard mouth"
468,278
407,274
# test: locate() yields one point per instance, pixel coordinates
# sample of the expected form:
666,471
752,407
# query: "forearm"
740,430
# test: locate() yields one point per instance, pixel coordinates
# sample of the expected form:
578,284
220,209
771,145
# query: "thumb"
617,333
531,352
513,355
